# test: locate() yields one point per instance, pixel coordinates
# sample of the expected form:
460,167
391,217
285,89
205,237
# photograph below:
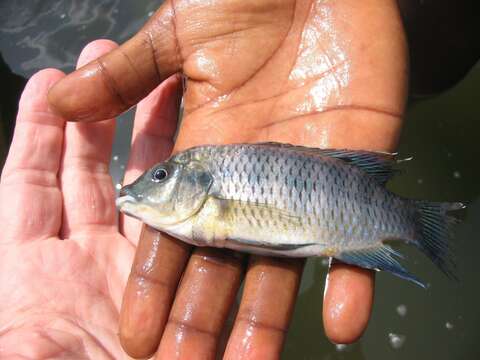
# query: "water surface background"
441,133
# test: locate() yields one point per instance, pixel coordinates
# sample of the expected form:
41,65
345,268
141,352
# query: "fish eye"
159,174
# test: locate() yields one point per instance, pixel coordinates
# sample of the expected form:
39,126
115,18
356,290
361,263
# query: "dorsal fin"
376,164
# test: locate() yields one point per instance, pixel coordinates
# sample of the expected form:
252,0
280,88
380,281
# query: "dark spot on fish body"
314,184
277,178
309,197
314,210
290,171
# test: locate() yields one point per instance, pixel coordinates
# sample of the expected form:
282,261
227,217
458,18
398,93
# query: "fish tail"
435,227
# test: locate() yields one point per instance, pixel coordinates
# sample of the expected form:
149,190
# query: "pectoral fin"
258,210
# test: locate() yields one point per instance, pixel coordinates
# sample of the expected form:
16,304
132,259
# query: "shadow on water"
441,133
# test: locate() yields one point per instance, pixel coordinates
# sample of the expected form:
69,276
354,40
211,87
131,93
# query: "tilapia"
285,200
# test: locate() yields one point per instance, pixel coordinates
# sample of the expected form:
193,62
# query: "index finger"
118,80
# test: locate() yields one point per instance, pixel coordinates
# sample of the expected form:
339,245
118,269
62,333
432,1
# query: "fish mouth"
128,205
122,201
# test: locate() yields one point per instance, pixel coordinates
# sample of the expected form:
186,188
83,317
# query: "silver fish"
285,200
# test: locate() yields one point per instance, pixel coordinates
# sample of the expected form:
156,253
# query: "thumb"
118,80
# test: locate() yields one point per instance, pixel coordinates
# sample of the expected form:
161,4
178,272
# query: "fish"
280,199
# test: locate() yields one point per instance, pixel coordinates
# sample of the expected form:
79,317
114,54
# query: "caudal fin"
436,228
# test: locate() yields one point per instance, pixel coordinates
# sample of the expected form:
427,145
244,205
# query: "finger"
152,138
347,303
31,205
113,83
156,271
85,180
152,283
271,287
202,304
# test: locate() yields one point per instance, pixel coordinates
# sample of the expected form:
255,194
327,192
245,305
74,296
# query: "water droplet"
115,158
340,347
150,13
62,16
118,186
420,181
325,261
457,175
449,325
122,167
402,310
396,340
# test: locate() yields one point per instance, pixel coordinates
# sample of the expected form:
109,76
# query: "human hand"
63,262
325,74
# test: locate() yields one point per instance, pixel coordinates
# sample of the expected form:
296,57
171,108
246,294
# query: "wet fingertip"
136,340
65,100
347,303
137,348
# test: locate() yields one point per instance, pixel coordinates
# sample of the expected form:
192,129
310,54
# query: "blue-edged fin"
435,229
376,164
382,257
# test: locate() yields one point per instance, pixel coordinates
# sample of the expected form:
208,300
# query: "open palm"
316,73
63,262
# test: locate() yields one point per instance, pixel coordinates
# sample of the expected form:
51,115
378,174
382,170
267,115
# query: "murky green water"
441,133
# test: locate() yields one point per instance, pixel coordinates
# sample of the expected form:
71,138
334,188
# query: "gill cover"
193,187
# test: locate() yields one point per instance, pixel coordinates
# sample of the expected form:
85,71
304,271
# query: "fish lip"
126,199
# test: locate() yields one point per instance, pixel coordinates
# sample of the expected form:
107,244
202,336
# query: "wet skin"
332,74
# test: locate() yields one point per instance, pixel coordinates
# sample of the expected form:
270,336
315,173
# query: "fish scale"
337,188
286,200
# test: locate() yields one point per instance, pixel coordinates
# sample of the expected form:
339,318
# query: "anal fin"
382,258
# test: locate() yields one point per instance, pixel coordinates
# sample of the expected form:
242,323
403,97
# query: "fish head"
166,194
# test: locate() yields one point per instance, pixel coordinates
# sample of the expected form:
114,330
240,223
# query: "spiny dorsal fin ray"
376,164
